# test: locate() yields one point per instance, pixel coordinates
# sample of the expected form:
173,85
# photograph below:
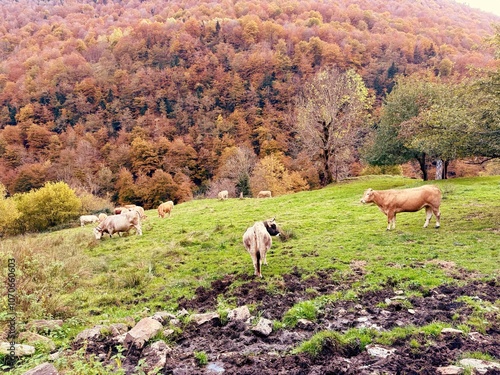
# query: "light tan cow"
102,216
257,241
140,210
165,208
119,224
119,210
86,219
390,202
223,195
264,194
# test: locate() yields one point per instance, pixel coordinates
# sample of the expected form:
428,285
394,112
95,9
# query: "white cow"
86,219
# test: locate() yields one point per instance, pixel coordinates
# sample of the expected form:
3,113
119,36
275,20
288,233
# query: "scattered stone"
379,351
20,350
476,336
411,311
450,370
305,324
163,317
215,368
182,313
398,292
54,356
155,355
118,329
142,332
362,319
43,369
44,325
119,340
264,327
175,322
241,313
168,332
32,337
90,334
482,367
200,319
451,331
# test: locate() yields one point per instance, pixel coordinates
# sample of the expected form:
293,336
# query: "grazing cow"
86,219
223,195
140,210
390,202
165,208
102,216
129,206
264,194
119,210
118,224
257,241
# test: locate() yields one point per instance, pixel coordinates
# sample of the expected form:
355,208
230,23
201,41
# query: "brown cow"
165,208
118,224
390,202
257,241
264,194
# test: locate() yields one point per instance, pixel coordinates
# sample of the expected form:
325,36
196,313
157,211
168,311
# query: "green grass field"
68,274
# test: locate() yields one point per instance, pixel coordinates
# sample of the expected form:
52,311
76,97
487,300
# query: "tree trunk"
445,169
423,165
439,169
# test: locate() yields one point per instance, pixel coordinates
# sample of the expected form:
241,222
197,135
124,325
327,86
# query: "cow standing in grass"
86,219
390,202
165,208
257,241
119,224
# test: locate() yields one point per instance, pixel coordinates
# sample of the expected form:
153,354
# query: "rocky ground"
238,347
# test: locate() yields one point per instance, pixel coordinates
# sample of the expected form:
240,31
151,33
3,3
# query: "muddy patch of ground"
233,348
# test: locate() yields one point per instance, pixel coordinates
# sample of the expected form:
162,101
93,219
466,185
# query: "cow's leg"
437,213
428,215
256,265
391,220
138,229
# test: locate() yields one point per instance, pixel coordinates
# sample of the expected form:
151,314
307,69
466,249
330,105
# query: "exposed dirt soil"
234,349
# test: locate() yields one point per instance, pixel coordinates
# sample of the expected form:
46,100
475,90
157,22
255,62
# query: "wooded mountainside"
145,101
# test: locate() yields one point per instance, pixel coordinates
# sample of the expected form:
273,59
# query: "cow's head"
272,227
98,232
367,196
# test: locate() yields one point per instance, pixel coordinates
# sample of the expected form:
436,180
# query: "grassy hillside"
68,274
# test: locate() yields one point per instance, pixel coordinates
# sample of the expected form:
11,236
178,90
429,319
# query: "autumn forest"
146,101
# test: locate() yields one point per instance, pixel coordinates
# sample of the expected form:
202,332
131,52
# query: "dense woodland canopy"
144,101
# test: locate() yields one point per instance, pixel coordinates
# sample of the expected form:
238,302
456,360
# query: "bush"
8,213
54,204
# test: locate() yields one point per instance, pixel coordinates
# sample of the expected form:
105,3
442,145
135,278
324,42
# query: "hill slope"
338,256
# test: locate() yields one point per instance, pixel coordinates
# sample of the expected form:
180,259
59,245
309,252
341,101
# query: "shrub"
8,213
54,204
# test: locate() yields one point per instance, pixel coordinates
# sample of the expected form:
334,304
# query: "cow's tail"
257,255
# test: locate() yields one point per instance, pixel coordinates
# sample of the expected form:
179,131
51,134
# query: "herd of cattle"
257,238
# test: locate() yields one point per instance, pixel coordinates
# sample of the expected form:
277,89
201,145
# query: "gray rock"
43,369
264,327
118,329
200,319
241,313
44,325
163,317
450,370
451,331
142,332
379,351
90,334
482,367
20,350
305,324
32,337
155,355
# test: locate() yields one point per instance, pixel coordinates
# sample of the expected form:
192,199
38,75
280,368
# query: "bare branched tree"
330,111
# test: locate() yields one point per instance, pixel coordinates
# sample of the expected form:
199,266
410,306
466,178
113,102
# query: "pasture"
67,274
